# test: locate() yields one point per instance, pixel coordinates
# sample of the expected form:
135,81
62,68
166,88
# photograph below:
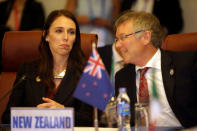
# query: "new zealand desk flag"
94,87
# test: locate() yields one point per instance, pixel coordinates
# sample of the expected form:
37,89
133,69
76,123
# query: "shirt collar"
154,62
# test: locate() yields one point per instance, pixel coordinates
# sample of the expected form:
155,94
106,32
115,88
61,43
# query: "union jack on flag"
95,65
94,87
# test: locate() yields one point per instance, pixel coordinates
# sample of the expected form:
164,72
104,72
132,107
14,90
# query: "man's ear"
146,37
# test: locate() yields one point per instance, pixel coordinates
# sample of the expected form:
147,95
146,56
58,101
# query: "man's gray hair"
143,21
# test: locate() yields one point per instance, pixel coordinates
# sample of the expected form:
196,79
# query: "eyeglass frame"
123,37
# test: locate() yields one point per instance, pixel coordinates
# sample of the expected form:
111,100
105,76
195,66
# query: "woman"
51,80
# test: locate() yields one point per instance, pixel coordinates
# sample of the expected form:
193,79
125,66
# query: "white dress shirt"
166,117
143,5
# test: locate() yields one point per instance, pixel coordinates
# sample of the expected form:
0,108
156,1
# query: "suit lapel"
66,88
126,77
38,90
168,73
131,87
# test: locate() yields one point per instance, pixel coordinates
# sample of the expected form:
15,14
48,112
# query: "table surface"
6,127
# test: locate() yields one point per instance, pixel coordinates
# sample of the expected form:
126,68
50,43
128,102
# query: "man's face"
130,47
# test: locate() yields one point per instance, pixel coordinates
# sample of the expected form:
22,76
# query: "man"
138,39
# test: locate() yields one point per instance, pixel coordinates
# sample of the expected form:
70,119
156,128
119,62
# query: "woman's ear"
146,37
44,35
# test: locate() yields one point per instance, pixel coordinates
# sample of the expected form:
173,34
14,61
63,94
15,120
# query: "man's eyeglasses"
123,37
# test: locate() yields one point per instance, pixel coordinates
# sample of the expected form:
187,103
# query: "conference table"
133,129
116,129
6,127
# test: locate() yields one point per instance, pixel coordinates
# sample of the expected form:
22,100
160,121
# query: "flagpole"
95,109
95,119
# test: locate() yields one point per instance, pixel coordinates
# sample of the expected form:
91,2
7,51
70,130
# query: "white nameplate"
31,119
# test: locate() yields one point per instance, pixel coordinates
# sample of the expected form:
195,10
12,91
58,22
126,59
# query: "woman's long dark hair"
76,58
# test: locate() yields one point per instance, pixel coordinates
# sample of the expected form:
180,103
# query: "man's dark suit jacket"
30,91
33,16
168,12
180,87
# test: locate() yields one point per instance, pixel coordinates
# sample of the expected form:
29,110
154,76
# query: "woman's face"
61,36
